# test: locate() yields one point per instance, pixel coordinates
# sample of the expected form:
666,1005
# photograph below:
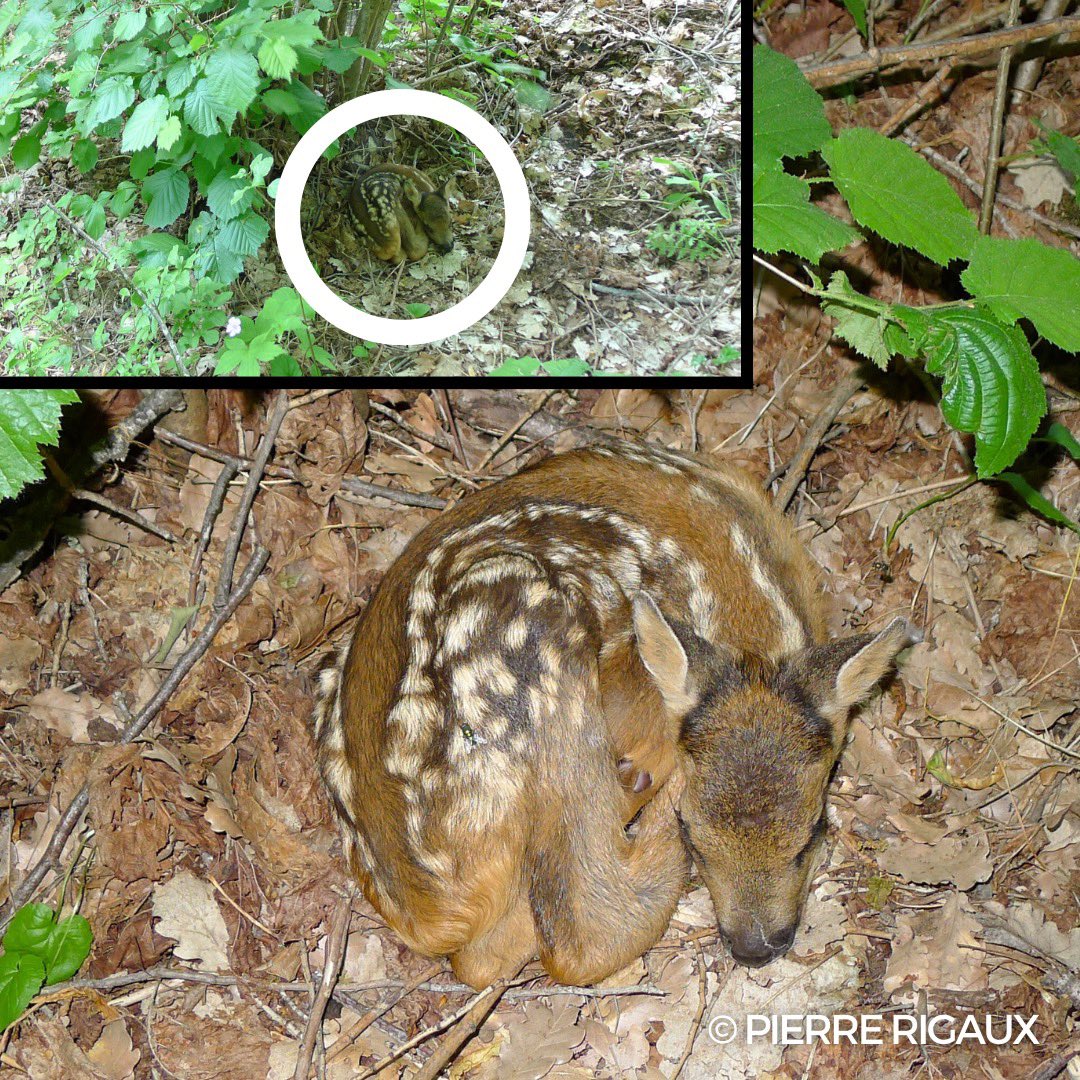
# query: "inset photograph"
143,148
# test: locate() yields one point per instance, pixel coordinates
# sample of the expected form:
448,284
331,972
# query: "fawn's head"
433,210
758,741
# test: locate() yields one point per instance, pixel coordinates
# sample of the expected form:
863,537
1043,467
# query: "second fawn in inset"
570,685
401,211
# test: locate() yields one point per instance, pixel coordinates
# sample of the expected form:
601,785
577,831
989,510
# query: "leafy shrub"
991,385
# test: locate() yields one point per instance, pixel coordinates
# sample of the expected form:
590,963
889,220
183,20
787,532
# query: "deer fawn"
400,210
571,684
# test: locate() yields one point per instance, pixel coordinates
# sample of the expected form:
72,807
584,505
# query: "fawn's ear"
441,191
663,655
840,674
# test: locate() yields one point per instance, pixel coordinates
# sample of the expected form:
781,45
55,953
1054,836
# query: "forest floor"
211,870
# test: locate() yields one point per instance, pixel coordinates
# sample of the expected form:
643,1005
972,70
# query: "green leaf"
531,95
179,619
857,11
27,418
280,102
991,385
418,311
144,123
94,221
169,133
130,24
21,976
109,101
84,155
233,77
784,220
30,927
893,191
179,77
68,946
789,114
277,58
284,366
1037,500
1026,279
937,768
1061,436
1065,150
570,368
520,365
167,193
201,109
26,151
229,197
863,330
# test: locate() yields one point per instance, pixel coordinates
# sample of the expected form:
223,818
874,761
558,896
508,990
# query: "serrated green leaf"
109,101
863,330
233,78
1065,150
21,976
784,219
169,133
227,196
1037,500
896,193
27,418
1026,279
519,365
179,77
201,110
145,123
531,95
991,385
277,58
167,193
789,114
130,24
94,221
570,368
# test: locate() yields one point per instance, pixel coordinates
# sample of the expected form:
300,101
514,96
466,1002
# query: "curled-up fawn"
568,686
400,210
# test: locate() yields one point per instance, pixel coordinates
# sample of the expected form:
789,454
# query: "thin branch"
902,55
251,488
815,433
997,123
334,957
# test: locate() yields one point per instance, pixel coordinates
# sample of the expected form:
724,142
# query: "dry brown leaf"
937,949
18,657
542,1036
187,912
963,861
46,1051
113,1054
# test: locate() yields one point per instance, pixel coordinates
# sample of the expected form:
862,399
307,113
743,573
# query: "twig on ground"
132,516
349,1036
448,415
997,122
511,432
251,488
888,59
435,438
213,509
349,483
814,435
334,956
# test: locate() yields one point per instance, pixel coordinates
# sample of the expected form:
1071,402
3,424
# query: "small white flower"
232,327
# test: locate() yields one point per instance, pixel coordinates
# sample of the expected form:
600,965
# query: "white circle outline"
515,196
